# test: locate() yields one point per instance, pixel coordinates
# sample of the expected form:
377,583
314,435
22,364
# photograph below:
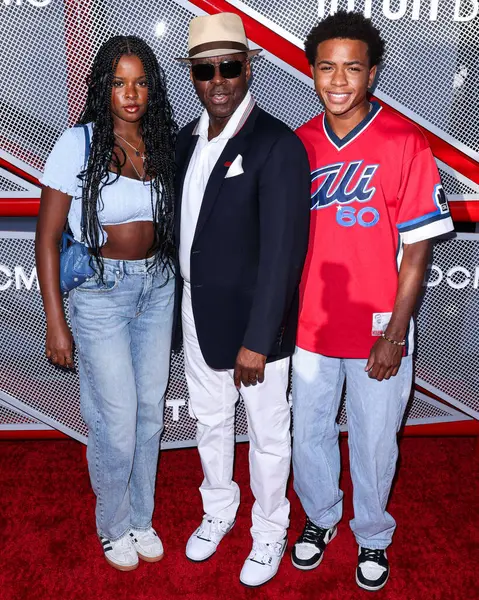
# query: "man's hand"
384,360
249,368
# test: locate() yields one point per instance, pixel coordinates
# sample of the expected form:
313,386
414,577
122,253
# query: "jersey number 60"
366,217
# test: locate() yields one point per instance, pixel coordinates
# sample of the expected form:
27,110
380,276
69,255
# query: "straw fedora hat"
215,35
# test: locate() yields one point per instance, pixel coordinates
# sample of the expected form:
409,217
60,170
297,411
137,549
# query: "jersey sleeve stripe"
437,215
428,231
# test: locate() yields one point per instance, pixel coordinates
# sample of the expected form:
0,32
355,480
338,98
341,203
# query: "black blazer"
250,242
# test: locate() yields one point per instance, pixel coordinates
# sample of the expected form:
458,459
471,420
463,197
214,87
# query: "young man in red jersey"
376,202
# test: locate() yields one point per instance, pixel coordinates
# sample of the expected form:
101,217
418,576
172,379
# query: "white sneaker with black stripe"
262,563
204,540
121,553
147,544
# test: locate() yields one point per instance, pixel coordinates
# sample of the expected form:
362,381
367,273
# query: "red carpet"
49,550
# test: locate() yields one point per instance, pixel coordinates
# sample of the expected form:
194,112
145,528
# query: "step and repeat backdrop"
446,363
431,75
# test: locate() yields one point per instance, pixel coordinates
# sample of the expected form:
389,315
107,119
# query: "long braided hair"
158,130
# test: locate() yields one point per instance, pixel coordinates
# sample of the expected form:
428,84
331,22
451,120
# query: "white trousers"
213,397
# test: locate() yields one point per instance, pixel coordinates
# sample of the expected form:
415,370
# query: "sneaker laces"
312,533
122,546
263,552
372,555
146,536
212,528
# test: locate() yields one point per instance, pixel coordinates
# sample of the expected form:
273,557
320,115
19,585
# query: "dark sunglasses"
229,69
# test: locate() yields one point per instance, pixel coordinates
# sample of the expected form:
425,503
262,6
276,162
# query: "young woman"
120,204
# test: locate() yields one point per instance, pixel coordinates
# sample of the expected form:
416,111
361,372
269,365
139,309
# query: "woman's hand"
59,344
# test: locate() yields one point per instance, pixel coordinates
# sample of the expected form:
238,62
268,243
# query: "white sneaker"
147,544
204,541
120,554
262,563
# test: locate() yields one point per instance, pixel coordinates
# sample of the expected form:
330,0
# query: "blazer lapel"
236,145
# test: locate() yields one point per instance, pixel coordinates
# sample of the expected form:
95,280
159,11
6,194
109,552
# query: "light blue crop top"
124,201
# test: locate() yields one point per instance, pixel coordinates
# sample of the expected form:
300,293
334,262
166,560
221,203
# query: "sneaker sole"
201,560
308,567
369,588
121,567
253,587
318,562
150,559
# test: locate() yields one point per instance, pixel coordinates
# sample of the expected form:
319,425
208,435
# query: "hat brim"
218,52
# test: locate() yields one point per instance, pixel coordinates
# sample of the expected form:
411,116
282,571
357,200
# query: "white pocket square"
236,167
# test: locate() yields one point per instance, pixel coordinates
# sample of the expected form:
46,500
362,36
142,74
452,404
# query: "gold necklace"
137,150
140,177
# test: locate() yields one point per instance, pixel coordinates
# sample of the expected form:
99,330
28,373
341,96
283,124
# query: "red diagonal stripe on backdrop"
294,56
4,164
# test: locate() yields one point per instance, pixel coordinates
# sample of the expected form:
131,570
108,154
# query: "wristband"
391,341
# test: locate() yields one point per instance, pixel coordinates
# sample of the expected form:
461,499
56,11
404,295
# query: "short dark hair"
346,25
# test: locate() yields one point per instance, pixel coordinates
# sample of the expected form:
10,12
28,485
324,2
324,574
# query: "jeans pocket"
94,285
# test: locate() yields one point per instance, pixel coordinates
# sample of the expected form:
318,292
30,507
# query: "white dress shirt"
203,160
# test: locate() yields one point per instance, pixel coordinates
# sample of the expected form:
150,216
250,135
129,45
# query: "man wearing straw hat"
242,229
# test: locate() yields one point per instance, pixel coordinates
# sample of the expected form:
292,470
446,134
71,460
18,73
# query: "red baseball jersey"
372,191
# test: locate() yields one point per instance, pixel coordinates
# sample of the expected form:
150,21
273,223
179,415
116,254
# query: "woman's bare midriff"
129,241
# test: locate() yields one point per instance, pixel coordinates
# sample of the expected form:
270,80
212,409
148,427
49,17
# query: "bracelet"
396,343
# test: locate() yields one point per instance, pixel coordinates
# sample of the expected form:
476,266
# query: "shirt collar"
233,126
340,143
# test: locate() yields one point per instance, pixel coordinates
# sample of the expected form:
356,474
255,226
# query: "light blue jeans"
375,410
122,331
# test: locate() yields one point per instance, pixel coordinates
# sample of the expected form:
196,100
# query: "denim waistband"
131,267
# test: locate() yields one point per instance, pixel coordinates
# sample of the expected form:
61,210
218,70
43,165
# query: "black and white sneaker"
308,551
373,569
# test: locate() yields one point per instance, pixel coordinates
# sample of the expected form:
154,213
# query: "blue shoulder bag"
75,258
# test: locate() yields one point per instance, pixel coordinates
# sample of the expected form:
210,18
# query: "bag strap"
86,131
87,144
